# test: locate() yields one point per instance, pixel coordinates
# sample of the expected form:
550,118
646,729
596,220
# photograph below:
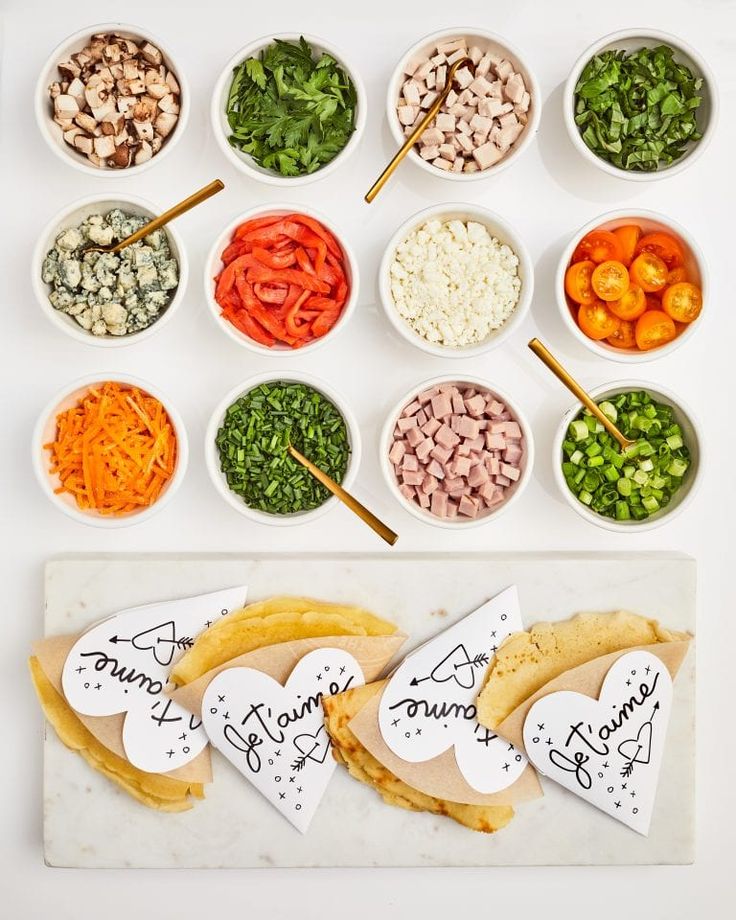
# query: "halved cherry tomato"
610,280
675,275
649,272
654,328
577,282
663,245
596,320
683,302
627,237
631,305
598,246
624,336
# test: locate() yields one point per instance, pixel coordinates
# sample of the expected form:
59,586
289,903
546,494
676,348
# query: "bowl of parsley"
288,109
641,104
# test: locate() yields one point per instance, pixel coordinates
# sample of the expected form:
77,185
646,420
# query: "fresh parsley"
290,111
637,110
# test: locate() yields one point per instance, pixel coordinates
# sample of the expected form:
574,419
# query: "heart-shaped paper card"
275,735
608,751
123,664
428,705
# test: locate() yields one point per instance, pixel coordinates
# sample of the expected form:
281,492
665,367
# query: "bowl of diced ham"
489,117
111,98
456,452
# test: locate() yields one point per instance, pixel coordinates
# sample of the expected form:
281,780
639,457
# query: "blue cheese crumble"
454,283
106,293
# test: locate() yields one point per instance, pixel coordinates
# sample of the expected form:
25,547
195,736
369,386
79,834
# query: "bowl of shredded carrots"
281,279
110,451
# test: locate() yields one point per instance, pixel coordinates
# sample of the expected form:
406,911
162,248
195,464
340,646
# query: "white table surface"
547,195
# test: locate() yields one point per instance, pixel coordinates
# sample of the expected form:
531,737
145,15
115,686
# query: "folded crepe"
361,764
270,622
164,793
526,661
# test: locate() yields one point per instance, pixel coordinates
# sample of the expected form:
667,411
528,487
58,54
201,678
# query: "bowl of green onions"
640,488
247,440
641,104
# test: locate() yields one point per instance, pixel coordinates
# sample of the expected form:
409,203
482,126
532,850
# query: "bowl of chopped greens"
648,484
641,104
247,439
108,299
288,109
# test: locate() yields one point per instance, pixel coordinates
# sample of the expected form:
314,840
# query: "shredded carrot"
115,450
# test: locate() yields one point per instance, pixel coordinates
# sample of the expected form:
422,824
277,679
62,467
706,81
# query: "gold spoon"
346,498
197,198
574,387
411,139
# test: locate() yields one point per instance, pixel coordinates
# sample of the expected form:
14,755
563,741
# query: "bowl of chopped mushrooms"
101,298
111,98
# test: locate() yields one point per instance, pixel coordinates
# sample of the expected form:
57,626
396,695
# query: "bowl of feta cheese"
455,281
102,298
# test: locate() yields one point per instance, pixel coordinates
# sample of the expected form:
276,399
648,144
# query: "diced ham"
468,506
513,453
461,466
430,484
446,437
478,475
412,477
422,499
431,426
475,405
502,481
404,424
411,409
422,418
512,429
439,503
495,441
441,454
409,492
414,436
510,472
441,405
424,449
436,469
468,427
456,484
398,449
426,396
410,462
495,407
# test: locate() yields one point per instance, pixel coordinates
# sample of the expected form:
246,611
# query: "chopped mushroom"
116,101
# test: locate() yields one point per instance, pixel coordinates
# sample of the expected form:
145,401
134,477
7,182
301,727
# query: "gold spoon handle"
192,201
411,140
574,387
346,498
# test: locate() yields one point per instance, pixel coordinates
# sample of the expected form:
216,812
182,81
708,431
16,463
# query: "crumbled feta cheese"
454,283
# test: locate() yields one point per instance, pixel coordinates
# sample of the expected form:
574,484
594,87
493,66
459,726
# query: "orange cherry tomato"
577,282
627,237
598,246
649,272
654,328
631,305
596,320
624,336
663,245
610,280
683,302
675,275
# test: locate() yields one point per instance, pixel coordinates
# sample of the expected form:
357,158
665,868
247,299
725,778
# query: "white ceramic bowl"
212,457
246,163
499,229
52,133
632,40
486,41
72,216
649,221
45,431
459,523
692,437
213,266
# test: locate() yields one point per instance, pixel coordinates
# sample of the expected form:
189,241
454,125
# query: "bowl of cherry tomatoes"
631,286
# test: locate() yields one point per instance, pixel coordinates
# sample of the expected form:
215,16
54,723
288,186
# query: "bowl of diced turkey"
489,116
110,98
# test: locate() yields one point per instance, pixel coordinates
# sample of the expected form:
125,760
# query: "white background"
547,195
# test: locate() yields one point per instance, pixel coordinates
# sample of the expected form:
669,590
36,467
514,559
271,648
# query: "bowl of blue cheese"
103,298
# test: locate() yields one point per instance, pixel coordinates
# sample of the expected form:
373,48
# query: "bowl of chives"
647,486
245,447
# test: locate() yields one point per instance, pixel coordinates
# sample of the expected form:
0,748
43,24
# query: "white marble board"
89,823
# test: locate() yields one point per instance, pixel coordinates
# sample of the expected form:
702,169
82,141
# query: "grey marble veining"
89,823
